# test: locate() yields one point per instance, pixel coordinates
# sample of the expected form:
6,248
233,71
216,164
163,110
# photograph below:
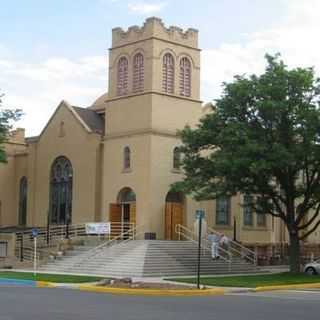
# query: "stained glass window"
61,183
23,201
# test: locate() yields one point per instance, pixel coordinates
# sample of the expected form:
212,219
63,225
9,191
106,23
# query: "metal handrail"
94,251
240,250
205,244
59,232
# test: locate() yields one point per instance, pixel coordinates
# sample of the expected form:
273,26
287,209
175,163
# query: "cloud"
38,88
295,38
145,8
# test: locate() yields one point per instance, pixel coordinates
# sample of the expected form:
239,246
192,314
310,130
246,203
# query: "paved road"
60,304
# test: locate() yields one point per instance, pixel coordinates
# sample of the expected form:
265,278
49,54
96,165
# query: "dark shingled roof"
92,119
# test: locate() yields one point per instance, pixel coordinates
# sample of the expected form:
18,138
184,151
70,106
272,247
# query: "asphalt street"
61,304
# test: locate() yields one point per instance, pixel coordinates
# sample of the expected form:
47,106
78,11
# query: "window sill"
249,228
223,226
256,228
126,170
178,171
262,228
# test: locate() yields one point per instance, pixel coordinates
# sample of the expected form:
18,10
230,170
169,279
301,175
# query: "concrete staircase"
145,258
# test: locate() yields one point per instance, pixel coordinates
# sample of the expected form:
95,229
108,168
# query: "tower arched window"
122,76
176,158
138,73
185,77
126,158
61,184
168,73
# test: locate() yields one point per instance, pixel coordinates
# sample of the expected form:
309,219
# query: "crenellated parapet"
155,28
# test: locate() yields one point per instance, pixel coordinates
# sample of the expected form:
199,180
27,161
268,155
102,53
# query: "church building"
116,159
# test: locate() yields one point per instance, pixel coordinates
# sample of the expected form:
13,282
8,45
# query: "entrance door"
125,218
122,217
173,216
115,219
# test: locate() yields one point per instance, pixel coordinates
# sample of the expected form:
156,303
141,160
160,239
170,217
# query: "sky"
54,50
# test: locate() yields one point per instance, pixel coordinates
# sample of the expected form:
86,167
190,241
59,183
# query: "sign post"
199,216
35,234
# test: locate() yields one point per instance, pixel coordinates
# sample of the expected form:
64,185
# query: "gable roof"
89,120
93,120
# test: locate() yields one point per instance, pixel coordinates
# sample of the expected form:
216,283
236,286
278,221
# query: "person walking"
214,239
225,242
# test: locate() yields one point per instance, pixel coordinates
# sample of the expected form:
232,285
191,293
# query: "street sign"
35,232
200,214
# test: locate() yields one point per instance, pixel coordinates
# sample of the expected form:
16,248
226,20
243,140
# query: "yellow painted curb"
45,284
288,287
153,292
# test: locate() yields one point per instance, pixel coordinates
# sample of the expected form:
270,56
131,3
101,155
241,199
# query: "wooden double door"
173,216
122,217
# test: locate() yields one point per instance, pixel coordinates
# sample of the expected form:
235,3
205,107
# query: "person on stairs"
214,239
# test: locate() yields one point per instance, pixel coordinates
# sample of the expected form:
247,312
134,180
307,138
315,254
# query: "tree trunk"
294,252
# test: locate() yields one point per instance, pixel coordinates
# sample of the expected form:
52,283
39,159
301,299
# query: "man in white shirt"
214,239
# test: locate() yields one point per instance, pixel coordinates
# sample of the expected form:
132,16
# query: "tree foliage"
262,138
7,117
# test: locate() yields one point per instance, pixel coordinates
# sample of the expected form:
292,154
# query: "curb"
137,292
17,282
45,284
153,292
287,287
157,292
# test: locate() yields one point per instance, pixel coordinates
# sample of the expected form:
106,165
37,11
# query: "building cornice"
15,143
139,132
153,92
155,38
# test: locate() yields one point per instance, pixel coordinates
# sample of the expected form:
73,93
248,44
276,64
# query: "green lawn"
47,277
253,281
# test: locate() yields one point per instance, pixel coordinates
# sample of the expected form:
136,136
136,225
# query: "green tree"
262,138
7,117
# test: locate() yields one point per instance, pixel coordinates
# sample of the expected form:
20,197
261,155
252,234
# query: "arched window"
138,73
122,76
168,73
185,77
176,158
126,158
61,182
126,195
23,194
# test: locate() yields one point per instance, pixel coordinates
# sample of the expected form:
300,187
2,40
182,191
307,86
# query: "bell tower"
154,90
157,45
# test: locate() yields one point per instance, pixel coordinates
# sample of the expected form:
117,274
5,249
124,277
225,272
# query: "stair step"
144,258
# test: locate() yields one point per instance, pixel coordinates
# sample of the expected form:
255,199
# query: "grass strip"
253,281
57,278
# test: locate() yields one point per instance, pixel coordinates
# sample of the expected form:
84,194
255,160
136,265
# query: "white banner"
98,228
